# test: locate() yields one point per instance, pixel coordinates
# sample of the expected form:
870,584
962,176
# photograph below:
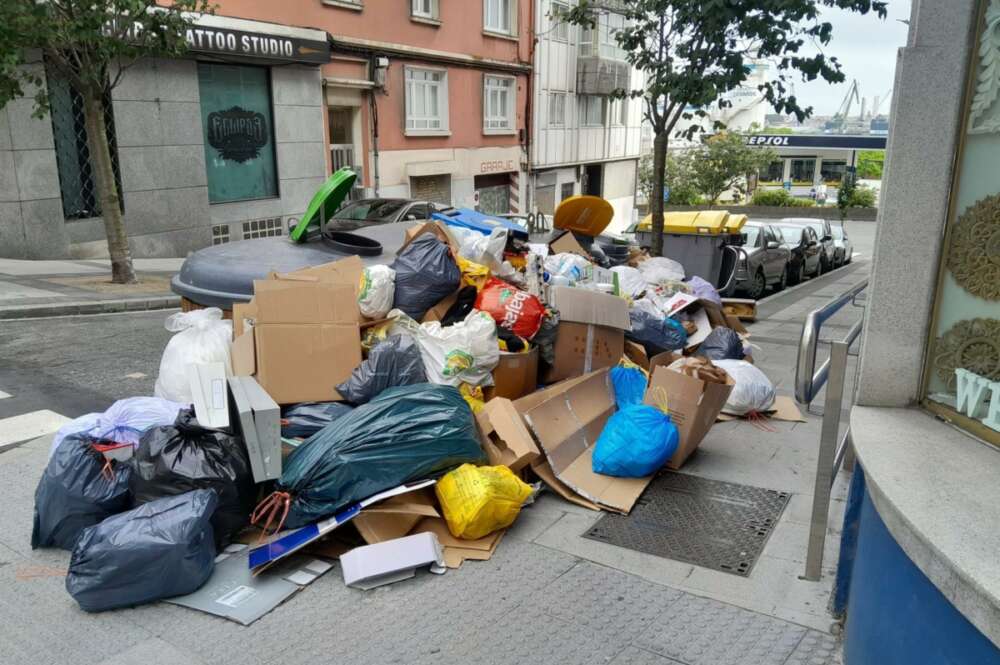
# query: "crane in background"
839,122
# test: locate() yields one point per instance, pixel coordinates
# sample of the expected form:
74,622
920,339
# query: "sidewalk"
58,288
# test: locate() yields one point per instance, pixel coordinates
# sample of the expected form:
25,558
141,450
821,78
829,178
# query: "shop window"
238,125
77,180
559,27
803,171
426,9
593,110
962,366
832,172
557,109
773,172
499,16
499,93
426,101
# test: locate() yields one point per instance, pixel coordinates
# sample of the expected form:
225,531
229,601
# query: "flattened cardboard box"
591,332
566,420
505,438
784,408
693,404
299,335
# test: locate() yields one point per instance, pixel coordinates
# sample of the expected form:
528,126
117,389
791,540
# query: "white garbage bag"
753,390
125,421
486,250
630,281
378,288
573,267
202,337
660,269
465,351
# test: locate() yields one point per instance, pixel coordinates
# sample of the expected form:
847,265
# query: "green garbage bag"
407,433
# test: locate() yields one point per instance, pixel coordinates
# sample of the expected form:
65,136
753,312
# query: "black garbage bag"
656,333
161,549
465,302
426,274
78,489
186,456
393,362
305,419
545,338
721,344
406,433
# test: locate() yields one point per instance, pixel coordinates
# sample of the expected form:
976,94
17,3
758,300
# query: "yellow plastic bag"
478,500
473,395
473,274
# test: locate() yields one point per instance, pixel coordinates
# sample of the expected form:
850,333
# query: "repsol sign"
767,140
818,141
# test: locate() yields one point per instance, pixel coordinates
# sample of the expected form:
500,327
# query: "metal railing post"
826,468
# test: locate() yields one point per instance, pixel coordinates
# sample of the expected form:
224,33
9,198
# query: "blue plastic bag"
636,442
630,385
656,333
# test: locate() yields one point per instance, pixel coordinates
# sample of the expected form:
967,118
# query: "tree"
726,162
845,195
691,52
91,44
678,178
870,163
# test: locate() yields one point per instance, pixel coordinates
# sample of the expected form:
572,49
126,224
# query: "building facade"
582,140
206,147
426,99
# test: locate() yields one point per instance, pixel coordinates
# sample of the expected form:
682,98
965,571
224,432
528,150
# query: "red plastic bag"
513,309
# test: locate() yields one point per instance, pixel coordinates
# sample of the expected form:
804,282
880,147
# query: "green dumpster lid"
325,202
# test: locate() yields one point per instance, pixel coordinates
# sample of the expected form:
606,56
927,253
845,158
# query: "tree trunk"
107,189
656,200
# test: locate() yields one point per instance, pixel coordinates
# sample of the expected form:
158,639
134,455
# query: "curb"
90,307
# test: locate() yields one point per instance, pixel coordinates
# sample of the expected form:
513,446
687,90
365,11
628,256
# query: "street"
546,595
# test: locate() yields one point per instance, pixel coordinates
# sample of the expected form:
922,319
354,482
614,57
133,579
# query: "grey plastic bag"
393,362
426,274
161,549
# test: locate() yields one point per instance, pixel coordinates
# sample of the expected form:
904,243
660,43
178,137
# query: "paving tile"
153,652
816,649
634,656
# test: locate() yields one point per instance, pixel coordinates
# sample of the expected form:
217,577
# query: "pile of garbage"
392,417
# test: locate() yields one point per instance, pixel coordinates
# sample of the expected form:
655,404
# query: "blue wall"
895,615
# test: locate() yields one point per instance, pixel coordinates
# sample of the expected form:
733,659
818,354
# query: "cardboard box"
258,421
506,440
515,375
437,229
591,332
705,314
391,561
693,404
299,335
566,420
567,243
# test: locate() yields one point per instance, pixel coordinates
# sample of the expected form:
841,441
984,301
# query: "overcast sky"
866,48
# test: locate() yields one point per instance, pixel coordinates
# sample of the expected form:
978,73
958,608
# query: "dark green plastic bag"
407,433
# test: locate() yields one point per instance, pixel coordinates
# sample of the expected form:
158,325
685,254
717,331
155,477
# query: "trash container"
698,241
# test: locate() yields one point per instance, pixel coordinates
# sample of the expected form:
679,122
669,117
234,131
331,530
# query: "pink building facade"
426,99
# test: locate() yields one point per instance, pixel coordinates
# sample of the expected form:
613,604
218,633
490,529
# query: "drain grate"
709,523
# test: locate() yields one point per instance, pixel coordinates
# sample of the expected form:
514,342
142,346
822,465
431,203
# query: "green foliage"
864,197
870,163
725,162
691,53
777,130
779,198
677,177
845,195
90,43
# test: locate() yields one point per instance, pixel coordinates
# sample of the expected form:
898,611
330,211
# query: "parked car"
843,245
365,212
765,260
803,242
825,233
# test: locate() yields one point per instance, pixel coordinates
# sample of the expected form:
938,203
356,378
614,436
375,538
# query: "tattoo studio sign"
223,41
237,134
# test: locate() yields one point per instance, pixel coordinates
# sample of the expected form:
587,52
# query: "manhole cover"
709,523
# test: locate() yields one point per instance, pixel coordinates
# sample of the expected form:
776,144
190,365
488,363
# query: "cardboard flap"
584,306
293,301
244,355
693,404
437,229
241,313
507,441
544,471
345,271
567,243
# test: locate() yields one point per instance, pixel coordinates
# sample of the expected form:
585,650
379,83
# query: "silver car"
842,245
764,262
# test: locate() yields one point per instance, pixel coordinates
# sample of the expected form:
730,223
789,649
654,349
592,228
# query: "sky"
866,47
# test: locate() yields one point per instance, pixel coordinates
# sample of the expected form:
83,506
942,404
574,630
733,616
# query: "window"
803,170
426,101
566,190
237,122
774,171
592,110
498,104
621,118
498,16
427,9
77,181
356,5
832,171
602,39
559,28
557,109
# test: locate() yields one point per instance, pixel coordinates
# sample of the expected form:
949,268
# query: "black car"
355,214
806,253
824,233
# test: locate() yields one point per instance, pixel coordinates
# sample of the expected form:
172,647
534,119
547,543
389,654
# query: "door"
593,179
494,193
775,262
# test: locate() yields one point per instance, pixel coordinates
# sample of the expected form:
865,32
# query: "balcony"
598,75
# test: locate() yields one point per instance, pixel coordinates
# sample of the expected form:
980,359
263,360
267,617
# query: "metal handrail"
809,380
